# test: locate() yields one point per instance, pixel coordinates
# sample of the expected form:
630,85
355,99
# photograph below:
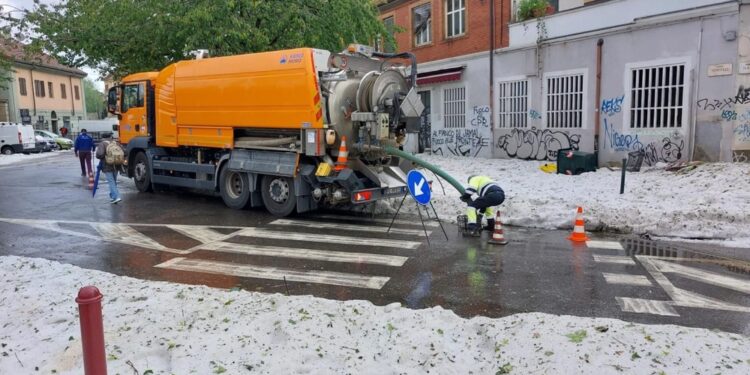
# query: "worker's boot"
490,225
477,226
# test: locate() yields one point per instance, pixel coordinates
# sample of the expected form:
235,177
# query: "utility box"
572,162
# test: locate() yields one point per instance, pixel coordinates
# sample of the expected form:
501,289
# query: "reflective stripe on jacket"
480,185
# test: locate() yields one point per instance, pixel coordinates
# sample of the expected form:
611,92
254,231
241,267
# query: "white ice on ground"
709,202
180,329
22,158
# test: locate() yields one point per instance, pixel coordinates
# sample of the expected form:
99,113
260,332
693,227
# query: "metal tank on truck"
266,129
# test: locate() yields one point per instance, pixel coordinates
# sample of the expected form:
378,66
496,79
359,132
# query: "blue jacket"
84,143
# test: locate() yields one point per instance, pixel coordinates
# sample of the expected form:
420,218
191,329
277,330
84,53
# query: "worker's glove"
466,198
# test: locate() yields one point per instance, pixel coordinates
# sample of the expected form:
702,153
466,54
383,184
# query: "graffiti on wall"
741,156
665,150
722,104
537,144
611,107
534,114
469,141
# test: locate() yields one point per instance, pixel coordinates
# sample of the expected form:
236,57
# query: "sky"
10,5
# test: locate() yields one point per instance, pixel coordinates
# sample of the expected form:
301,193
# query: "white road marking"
53,225
297,253
682,297
707,277
613,259
613,245
275,273
343,240
351,227
646,306
414,223
198,233
124,233
625,279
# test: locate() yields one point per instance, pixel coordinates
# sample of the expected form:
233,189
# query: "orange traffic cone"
343,156
91,182
579,233
498,237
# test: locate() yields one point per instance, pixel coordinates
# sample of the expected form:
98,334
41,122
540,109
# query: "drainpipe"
492,70
72,99
597,112
33,91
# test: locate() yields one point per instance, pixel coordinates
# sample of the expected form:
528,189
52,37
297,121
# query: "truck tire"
278,195
7,150
141,172
235,188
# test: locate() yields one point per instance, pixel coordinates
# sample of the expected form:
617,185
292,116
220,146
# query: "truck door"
133,111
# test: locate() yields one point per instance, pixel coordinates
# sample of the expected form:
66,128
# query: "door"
425,129
133,111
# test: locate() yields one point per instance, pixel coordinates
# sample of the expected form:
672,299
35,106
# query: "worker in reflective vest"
481,195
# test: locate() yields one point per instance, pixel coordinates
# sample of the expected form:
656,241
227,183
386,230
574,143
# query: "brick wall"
476,39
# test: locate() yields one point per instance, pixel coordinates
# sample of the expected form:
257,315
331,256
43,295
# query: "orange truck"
291,130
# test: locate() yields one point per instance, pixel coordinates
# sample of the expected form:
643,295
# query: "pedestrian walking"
84,145
113,160
481,195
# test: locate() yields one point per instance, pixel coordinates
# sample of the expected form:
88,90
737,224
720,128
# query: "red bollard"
92,330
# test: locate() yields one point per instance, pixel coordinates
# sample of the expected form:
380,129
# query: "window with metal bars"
454,107
564,96
657,96
514,104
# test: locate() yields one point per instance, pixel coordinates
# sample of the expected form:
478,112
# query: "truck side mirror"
113,104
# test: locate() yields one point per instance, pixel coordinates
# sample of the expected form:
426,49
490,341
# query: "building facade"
41,91
664,79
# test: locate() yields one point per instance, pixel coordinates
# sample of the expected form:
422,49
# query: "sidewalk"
174,328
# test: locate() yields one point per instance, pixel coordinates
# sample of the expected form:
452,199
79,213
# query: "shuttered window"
564,96
514,104
454,107
657,95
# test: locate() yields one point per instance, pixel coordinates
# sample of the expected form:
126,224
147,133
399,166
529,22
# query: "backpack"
114,154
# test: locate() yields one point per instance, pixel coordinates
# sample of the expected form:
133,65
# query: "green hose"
394,151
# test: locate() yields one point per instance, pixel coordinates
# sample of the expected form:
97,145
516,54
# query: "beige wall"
46,103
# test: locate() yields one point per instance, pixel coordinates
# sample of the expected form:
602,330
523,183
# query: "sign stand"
415,183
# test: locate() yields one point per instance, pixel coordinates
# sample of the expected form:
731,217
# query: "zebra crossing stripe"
275,273
429,223
124,233
646,306
297,253
327,238
613,259
351,227
612,245
200,234
625,279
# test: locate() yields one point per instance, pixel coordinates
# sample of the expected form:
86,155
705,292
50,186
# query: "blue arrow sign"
418,187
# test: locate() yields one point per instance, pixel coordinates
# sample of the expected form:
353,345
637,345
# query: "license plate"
392,191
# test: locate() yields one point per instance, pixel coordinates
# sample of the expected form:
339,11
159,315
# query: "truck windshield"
132,96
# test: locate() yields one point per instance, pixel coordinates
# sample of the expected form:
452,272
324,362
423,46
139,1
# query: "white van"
96,127
16,138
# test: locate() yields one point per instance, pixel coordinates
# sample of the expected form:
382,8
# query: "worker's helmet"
470,177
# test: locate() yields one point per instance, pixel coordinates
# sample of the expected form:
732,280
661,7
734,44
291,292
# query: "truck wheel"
7,150
141,172
235,188
278,195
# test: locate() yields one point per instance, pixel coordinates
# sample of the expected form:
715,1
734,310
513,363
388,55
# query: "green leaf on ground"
227,303
634,356
649,338
549,353
602,329
505,369
219,369
390,327
439,331
577,336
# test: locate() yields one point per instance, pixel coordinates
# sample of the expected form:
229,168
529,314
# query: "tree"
119,37
94,97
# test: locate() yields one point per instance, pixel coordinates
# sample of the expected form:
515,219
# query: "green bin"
572,162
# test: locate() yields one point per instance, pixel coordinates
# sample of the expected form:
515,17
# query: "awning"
438,76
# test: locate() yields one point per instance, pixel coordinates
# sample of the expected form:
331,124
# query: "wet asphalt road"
46,211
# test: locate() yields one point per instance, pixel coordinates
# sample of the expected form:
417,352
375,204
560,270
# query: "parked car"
62,142
43,144
16,138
